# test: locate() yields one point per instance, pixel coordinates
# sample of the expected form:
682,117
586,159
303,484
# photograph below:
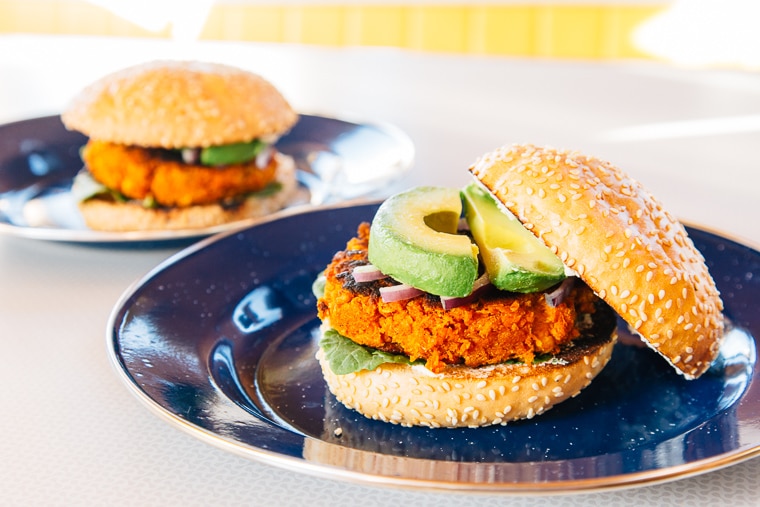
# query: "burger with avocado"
493,303
180,145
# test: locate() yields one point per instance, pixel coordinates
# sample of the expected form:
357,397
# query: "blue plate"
336,160
220,340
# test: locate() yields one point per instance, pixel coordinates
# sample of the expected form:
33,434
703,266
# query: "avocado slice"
413,239
514,258
235,153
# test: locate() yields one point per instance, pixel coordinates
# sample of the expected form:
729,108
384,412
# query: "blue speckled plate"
220,341
336,160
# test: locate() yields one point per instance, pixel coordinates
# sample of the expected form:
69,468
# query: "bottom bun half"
106,215
460,396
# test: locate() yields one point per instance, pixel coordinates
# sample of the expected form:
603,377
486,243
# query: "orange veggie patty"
145,172
498,327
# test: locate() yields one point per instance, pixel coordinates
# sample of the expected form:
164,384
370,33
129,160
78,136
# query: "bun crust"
114,216
468,397
605,226
176,104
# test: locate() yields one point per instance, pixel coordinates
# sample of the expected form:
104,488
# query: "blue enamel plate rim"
403,142
458,477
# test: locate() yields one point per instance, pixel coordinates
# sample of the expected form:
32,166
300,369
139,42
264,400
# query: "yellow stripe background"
583,31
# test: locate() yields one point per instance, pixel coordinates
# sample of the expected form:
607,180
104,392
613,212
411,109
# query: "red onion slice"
452,302
560,292
191,155
263,158
367,273
399,292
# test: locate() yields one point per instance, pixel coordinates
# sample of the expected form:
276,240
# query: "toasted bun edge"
620,240
462,396
177,104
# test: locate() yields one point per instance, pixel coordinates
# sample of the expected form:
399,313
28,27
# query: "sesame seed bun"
620,240
462,396
109,215
176,104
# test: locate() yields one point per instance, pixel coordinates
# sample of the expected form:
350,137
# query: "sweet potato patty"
138,173
498,327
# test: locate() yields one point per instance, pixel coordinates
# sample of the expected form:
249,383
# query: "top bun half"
618,238
177,104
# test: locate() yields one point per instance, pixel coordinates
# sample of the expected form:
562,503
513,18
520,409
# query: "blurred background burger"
180,145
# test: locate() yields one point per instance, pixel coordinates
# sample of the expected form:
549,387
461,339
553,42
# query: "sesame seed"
532,399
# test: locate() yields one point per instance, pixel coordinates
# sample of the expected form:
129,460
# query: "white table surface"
72,433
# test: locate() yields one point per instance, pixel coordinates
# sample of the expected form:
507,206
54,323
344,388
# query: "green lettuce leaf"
345,356
318,286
